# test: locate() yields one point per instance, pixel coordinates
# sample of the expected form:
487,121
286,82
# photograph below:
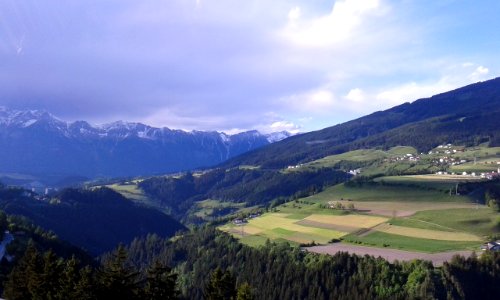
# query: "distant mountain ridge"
468,116
36,142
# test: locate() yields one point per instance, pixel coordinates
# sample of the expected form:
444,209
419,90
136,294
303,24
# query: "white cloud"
284,126
412,91
294,14
479,74
326,30
453,77
355,95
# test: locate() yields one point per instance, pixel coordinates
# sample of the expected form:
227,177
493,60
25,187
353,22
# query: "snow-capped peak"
277,136
118,129
26,118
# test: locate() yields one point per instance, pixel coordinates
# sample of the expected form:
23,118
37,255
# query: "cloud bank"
237,65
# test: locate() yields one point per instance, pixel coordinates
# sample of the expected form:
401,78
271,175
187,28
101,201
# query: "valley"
249,150
400,192
432,213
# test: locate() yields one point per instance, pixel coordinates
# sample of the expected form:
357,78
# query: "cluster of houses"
243,221
449,161
488,175
491,175
406,157
447,149
491,246
295,167
355,172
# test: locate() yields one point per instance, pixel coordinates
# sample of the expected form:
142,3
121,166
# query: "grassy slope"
482,221
385,193
382,239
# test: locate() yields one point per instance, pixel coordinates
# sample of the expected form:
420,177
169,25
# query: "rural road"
389,254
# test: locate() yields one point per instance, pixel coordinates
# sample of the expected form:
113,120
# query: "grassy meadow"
387,240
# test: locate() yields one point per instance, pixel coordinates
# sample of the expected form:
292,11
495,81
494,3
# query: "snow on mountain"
277,136
117,129
36,141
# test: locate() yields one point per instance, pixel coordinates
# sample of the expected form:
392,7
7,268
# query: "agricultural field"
481,221
312,228
483,165
411,213
396,241
386,193
427,233
431,181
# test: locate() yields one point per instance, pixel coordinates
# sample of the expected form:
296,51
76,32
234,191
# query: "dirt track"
388,254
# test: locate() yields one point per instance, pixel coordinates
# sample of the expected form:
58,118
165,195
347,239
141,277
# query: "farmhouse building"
491,246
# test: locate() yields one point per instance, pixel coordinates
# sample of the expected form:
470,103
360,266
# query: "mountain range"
37,143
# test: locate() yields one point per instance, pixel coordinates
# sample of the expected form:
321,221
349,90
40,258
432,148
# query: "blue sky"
235,65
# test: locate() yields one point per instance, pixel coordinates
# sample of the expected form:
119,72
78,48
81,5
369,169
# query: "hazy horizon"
239,65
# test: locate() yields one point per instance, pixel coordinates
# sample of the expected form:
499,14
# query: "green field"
479,167
365,156
432,181
432,234
384,193
482,221
416,223
382,240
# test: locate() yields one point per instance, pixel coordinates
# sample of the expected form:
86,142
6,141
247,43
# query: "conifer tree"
244,292
160,283
24,281
117,278
222,285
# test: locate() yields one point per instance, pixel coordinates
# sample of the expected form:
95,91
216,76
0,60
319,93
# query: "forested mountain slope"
95,220
466,116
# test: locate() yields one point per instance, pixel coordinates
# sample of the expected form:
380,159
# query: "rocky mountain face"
36,142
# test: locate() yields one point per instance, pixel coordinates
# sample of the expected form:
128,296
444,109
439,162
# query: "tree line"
209,264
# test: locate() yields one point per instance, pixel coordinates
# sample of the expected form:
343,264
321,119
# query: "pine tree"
85,288
118,280
160,283
49,277
24,281
221,286
244,292
69,279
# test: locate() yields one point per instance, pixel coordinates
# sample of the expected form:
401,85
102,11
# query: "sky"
232,65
